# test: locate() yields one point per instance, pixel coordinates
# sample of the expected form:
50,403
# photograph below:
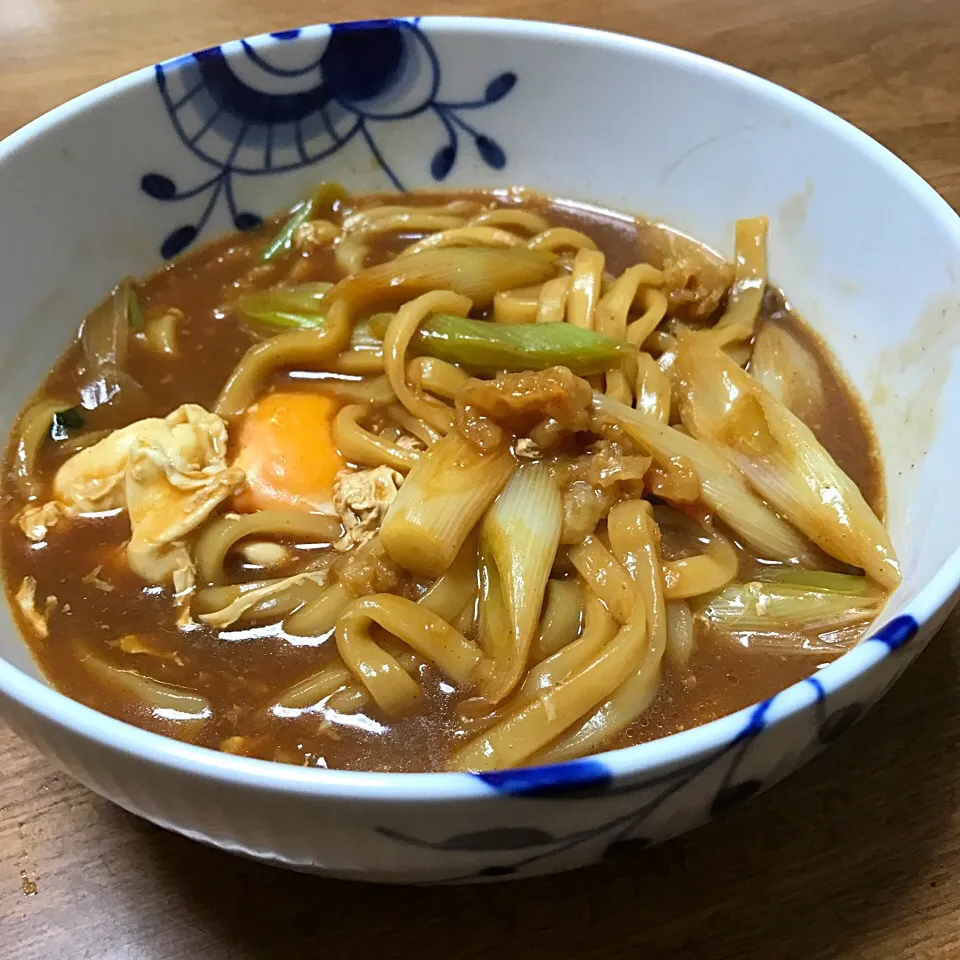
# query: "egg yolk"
285,446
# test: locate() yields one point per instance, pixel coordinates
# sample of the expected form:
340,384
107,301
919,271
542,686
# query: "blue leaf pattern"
243,113
499,87
839,722
247,221
443,161
158,186
627,847
733,796
178,241
492,152
502,838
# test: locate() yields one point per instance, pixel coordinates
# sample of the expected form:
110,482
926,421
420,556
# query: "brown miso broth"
242,669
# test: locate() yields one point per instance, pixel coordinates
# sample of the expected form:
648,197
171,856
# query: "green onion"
301,306
282,242
784,606
133,308
475,272
65,421
323,201
819,580
476,344
490,347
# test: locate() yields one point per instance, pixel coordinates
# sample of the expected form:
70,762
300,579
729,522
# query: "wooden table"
857,856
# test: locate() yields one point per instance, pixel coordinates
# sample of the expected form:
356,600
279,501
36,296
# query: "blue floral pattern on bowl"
244,111
522,848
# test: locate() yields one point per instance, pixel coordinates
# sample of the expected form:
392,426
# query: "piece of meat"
592,482
168,474
694,285
584,506
548,403
608,462
695,280
361,498
368,569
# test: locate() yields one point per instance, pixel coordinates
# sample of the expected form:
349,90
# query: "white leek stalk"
722,488
521,532
781,458
441,501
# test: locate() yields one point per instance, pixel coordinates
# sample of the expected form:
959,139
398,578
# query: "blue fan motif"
243,114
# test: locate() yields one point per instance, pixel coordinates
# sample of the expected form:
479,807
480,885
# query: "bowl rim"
187,759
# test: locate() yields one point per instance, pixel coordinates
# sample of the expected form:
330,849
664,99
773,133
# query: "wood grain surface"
857,856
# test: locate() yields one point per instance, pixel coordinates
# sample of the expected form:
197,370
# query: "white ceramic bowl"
867,252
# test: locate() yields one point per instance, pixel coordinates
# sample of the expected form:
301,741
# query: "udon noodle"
474,477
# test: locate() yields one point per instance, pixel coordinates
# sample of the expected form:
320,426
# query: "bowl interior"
866,252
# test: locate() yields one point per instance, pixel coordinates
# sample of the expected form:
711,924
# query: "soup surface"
343,527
